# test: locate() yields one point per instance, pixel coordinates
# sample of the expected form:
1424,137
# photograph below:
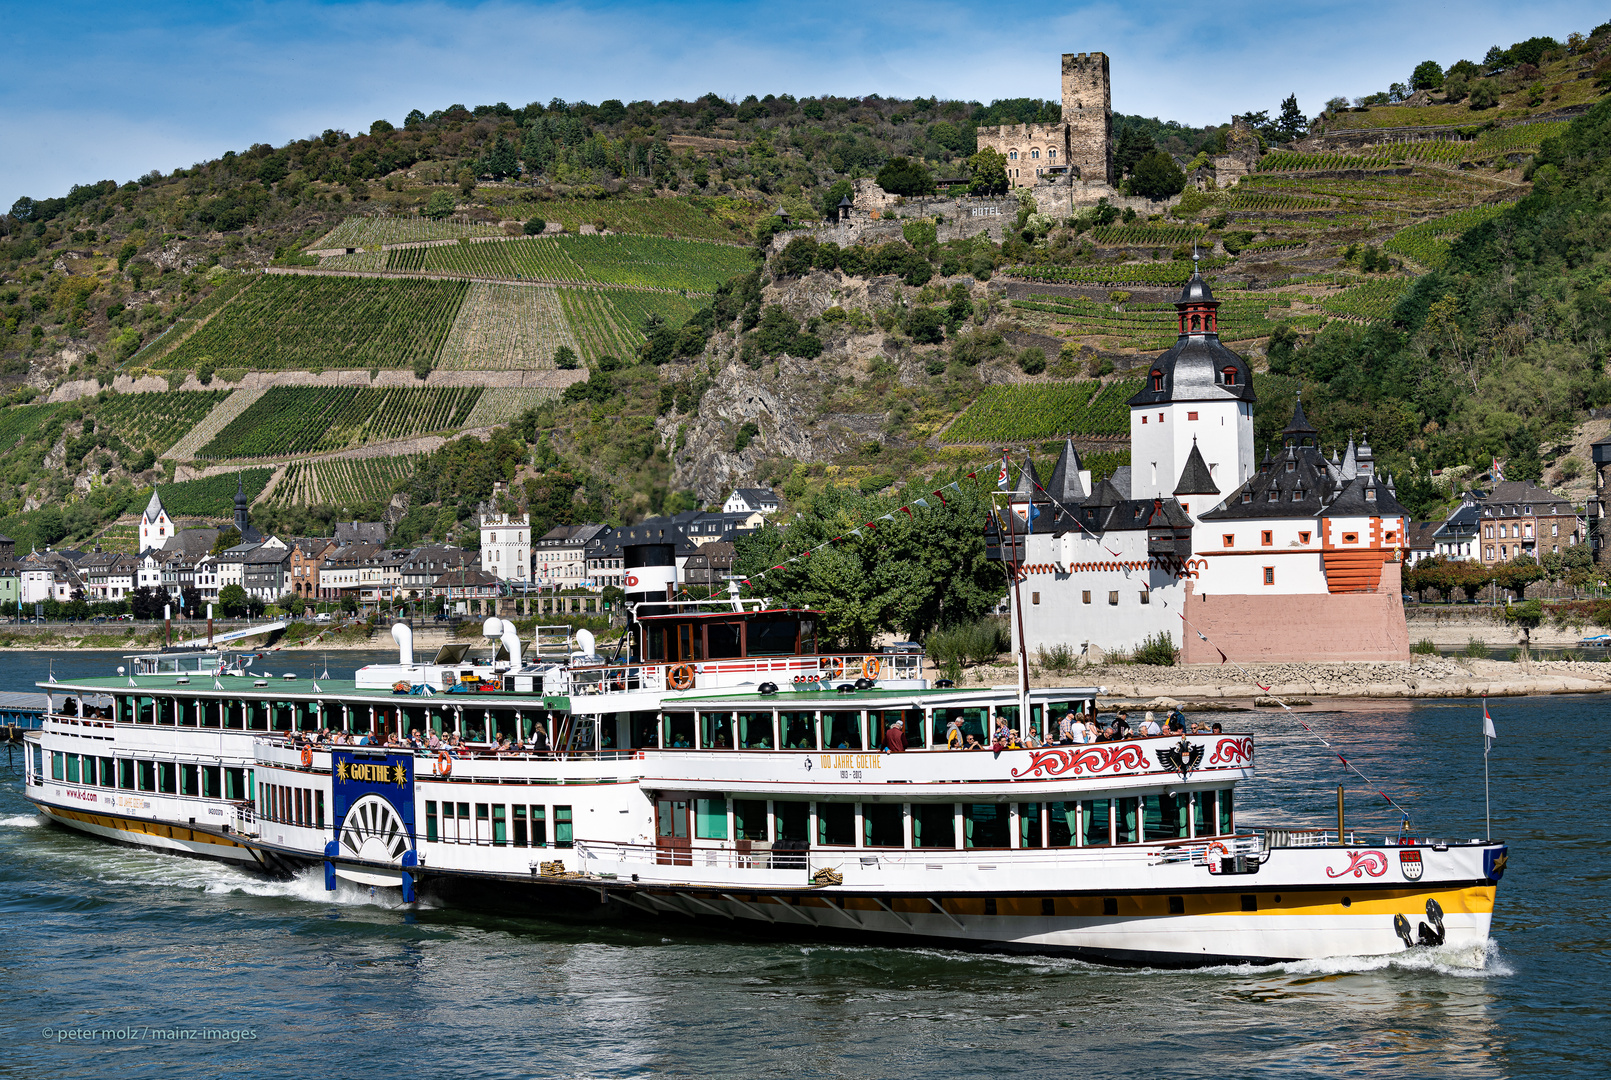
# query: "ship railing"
762,856
1206,850
832,668
1293,838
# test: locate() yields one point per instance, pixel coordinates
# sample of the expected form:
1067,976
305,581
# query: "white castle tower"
1198,393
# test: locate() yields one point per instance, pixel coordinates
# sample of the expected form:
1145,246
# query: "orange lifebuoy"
307,756
871,666
444,763
833,665
681,677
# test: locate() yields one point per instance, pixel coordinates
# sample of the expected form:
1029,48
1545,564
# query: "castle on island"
1293,558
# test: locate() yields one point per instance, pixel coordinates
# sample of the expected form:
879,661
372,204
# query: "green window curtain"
1128,814
710,819
1029,825
562,826
1226,817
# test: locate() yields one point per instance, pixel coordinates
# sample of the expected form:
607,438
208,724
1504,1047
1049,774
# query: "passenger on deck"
539,739
895,737
1067,730
1177,722
1215,730
1149,726
953,735
502,745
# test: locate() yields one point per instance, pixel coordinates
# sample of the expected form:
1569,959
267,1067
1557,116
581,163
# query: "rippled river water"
94,936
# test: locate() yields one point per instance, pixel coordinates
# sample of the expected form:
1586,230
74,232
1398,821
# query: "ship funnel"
403,634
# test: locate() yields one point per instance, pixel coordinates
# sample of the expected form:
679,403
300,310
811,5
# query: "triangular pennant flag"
889,517
907,510
956,485
919,502
971,476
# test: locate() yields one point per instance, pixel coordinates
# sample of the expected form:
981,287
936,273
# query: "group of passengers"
1074,729
428,743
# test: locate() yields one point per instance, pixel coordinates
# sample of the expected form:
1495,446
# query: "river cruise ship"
719,767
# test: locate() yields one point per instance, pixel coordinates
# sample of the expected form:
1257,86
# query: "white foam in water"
20,821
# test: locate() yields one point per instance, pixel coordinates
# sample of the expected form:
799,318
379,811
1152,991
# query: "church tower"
1198,395
156,527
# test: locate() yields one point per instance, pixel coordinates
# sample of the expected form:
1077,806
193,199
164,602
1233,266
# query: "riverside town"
606,559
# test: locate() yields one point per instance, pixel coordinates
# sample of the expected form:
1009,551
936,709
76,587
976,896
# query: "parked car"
125,617
324,617
99,619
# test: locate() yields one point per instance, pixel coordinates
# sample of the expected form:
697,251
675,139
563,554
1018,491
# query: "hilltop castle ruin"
1080,145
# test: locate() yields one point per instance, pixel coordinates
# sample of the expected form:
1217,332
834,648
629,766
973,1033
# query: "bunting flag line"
1350,766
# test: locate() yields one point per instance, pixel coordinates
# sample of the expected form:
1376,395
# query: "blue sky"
95,90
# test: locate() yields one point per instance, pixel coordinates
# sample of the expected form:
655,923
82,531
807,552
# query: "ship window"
792,821
841,731
1202,812
679,728
836,824
500,835
563,836
716,731
725,640
755,731
883,825
1164,816
654,642
771,637
539,826
189,780
710,819
148,776
690,642
234,783
72,769
167,778
799,732
749,819
1227,818
1125,830
933,825
431,831
1096,823
984,825
1029,830
109,774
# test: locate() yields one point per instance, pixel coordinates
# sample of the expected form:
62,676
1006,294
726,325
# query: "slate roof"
1192,370
1195,479
1064,485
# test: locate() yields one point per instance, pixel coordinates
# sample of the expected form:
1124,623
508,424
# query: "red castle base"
1367,625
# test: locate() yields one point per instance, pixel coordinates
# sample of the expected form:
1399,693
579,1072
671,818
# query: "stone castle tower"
1081,144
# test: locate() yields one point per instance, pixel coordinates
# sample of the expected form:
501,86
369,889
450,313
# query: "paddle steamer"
720,767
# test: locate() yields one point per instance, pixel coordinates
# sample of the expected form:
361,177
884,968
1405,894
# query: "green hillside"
1438,289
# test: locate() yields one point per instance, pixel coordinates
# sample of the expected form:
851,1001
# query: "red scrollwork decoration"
1232,751
1091,759
1361,863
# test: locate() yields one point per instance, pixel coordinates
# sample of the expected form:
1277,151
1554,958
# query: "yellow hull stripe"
136,827
1469,900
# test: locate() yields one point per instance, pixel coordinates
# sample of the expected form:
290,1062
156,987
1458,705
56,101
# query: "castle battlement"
1081,144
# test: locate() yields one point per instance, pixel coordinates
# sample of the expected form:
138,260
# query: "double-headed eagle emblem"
1182,757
